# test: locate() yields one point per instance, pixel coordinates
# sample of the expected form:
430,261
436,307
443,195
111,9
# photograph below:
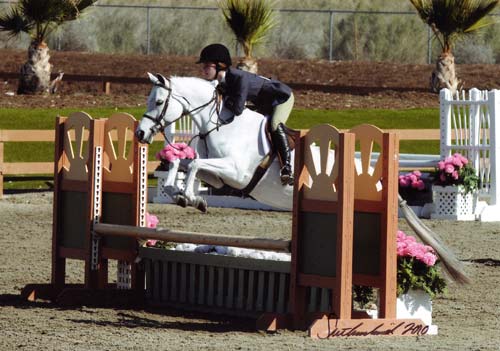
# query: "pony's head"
162,109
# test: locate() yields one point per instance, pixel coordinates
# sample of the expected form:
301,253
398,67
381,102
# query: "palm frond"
14,23
250,21
454,18
38,18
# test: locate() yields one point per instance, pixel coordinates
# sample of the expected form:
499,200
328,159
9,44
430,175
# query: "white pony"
228,153
231,152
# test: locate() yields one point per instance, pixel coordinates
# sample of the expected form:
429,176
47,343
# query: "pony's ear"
152,78
161,79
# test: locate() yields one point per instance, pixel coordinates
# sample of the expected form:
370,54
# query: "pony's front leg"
216,168
170,186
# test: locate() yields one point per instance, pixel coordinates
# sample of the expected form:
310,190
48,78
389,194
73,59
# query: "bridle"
159,123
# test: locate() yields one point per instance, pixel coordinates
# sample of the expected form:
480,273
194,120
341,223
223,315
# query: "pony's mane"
186,85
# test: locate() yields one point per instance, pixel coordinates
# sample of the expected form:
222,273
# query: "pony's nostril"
139,134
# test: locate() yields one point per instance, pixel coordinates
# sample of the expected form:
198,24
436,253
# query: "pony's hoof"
201,204
181,201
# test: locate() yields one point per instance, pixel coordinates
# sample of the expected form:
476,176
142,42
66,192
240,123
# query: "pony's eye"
159,102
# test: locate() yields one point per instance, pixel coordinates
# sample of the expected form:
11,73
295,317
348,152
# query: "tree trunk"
35,73
444,75
248,64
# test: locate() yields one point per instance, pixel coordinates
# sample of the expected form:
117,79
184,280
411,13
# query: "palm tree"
250,21
451,20
39,18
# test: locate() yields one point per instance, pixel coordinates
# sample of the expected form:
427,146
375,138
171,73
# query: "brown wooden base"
78,295
330,328
272,322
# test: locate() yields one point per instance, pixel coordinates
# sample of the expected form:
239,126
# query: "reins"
160,126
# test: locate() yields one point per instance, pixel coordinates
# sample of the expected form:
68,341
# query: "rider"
271,97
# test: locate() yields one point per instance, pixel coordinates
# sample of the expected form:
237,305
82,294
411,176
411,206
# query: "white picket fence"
468,126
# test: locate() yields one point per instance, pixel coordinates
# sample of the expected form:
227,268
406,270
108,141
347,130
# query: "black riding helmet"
217,53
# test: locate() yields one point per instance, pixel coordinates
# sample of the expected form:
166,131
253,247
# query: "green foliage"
299,35
363,295
250,21
451,19
470,180
414,274
39,18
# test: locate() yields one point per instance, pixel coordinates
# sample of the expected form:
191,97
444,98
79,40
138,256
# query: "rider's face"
208,70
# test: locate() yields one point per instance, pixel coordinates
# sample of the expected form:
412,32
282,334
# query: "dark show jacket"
241,86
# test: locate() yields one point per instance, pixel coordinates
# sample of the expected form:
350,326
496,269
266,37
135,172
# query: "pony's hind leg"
210,168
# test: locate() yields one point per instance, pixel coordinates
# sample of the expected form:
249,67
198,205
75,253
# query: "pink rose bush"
456,170
176,151
412,180
416,266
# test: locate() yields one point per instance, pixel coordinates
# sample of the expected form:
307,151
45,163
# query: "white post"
475,127
445,98
494,108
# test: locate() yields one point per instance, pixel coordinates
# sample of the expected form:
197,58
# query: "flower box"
451,202
415,304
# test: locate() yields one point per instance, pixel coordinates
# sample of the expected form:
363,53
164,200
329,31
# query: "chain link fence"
395,36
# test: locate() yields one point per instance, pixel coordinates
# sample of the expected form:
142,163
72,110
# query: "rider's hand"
221,89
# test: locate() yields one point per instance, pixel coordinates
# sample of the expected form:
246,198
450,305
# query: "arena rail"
32,168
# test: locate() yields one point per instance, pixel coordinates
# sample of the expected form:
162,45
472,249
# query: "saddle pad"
264,143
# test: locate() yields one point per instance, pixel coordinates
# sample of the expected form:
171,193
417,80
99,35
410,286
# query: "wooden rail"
104,80
192,237
21,168
18,168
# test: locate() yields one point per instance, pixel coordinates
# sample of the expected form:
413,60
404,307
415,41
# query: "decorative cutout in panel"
320,170
76,150
368,171
118,148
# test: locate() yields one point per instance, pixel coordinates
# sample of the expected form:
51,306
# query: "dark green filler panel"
366,250
72,224
117,209
318,243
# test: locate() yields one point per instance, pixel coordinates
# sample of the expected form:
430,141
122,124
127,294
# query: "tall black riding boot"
282,147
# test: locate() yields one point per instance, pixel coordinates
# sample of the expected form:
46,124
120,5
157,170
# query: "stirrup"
286,176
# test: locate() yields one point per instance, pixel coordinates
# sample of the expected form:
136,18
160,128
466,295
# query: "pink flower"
151,220
419,185
404,182
408,246
429,259
457,161
175,151
151,243
449,168
455,175
441,165
417,173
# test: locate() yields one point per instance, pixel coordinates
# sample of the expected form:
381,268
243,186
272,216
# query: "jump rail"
192,237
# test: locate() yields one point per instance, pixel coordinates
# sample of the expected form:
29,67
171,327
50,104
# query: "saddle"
266,144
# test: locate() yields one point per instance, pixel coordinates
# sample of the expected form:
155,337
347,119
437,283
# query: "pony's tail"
452,265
